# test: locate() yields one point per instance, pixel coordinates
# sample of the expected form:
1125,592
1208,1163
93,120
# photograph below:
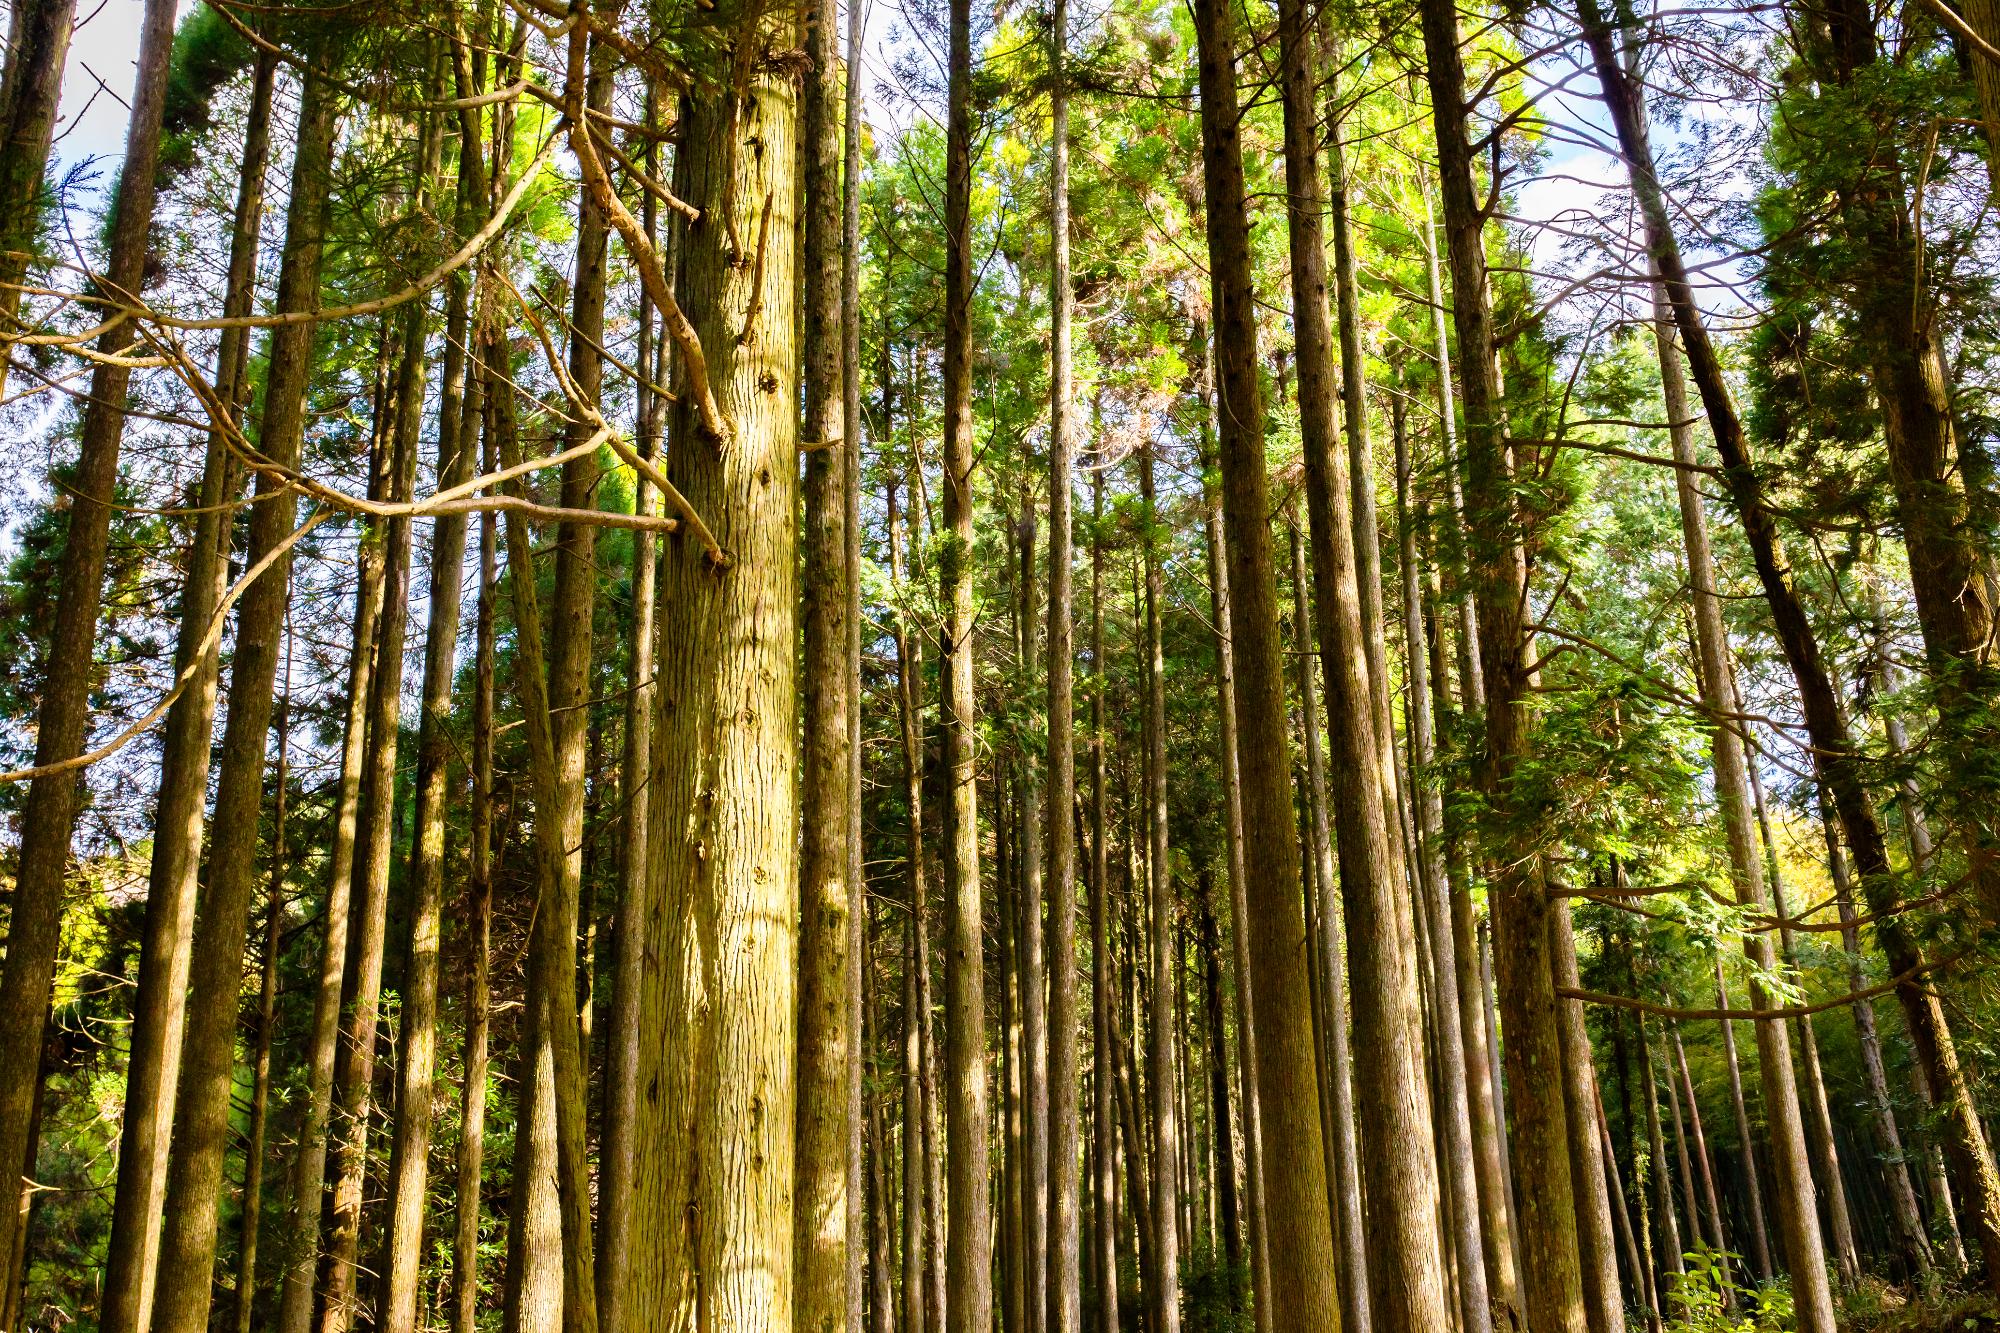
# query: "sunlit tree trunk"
1300,1242
159,1012
202,1102
719,1009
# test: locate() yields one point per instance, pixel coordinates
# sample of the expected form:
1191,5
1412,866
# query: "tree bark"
38,53
1104,1117
159,1013
202,1101
416,1055
829,899
62,720
1065,1242
968,1258
1300,1242
1460,1165
1604,1305
1549,1255
715,1127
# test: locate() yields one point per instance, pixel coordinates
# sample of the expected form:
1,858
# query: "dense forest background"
712,665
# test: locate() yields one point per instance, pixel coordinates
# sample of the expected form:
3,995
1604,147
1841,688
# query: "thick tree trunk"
829,900
715,1128
62,720
1300,1242
159,1012
202,1102
1549,1257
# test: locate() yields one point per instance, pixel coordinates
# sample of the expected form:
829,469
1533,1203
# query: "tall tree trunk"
416,1054
1818,1116
1604,1305
250,1220
719,1132
202,1101
1220,613
1034,989
1104,1119
38,53
1906,1215
470,1161
618,1150
1300,1242
829,899
1753,1192
354,1069
1064,1314
1220,1119
1326,948
1836,760
159,1013
1549,1256
969,1266
1460,1163
1663,1181
62,720
1166,1119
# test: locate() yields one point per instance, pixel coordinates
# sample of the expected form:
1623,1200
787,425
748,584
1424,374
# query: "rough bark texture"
716,1169
38,52
1300,1243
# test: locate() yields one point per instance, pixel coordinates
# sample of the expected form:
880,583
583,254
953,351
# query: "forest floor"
1952,1312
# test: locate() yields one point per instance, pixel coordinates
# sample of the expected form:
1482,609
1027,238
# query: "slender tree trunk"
202,1102
62,720
159,1013
458,443
1220,1120
1760,1244
1166,1119
1704,1164
1907,1216
1460,1164
1549,1257
1604,1306
1104,1121
1064,1312
618,1151
1836,760
1220,614
251,1218
1325,946
829,899
969,1265
479,933
719,1133
1034,989
354,1069
1300,1241
1663,1181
